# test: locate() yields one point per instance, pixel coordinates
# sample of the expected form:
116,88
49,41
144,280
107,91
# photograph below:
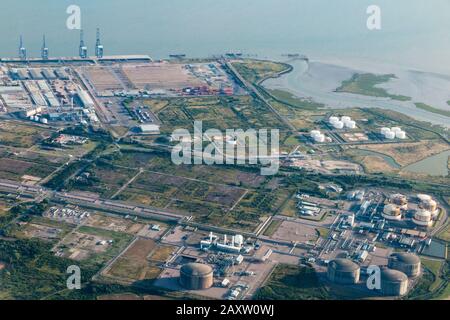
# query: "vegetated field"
104,179
409,152
366,84
257,70
42,228
301,113
222,113
272,228
18,134
32,271
155,105
434,283
218,195
139,262
4,207
445,234
371,163
27,165
429,108
293,283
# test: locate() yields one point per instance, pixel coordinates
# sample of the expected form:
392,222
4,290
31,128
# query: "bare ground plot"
113,224
91,244
139,262
160,76
102,78
408,153
32,230
293,231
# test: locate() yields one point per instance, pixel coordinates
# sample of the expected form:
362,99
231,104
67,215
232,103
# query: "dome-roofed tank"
196,276
393,282
423,218
392,212
429,205
407,263
343,271
399,199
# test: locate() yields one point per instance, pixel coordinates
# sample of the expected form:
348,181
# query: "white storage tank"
400,135
338,125
319,138
430,205
350,124
390,135
396,129
346,119
424,197
333,120
391,212
384,130
314,133
423,218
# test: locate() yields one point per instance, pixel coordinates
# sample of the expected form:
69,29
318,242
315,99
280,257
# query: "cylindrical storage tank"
396,129
338,125
346,119
319,138
407,263
400,135
424,197
391,212
393,282
423,218
384,130
430,205
196,276
333,120
390,135
314,133
343,271
350,124
399,199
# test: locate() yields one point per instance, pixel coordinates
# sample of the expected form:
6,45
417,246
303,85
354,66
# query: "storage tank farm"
393,133
343,271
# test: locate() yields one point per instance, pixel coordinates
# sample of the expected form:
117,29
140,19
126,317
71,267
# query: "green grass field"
429,108
366,84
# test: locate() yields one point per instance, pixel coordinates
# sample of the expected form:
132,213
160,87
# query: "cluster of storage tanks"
427,211
38,119
317,136
393,210
394,277
393,133
423,216
341,123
